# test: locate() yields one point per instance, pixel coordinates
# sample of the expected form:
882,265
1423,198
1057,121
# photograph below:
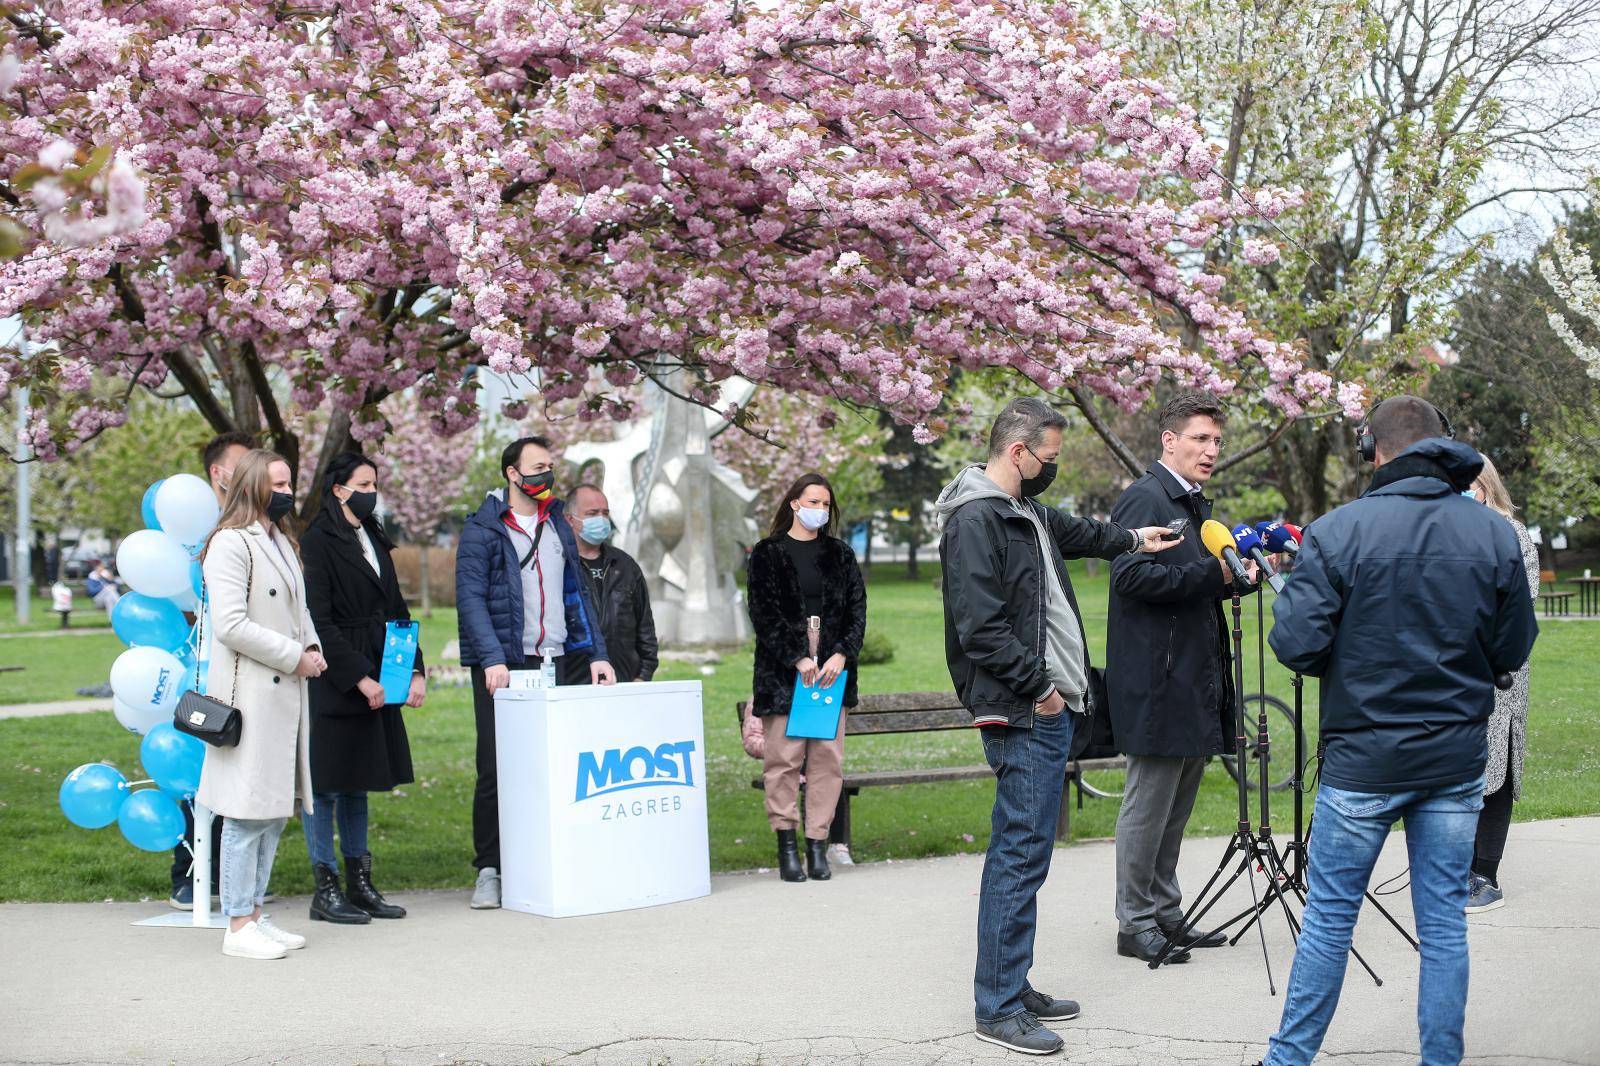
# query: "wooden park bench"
1556,602
925,712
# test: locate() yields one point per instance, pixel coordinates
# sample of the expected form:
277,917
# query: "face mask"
813,518
362,504
1469,494
279,506
596,529
537,487
1033,486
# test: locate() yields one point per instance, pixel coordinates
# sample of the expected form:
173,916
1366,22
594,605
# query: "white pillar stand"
200,917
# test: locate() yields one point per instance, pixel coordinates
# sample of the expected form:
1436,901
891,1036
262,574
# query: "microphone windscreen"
1276,535
1245,536
1294,531
1216,537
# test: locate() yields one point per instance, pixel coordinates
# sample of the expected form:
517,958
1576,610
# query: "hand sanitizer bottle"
547,668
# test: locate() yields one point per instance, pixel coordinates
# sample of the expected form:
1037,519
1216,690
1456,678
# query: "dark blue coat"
1407,603
489,590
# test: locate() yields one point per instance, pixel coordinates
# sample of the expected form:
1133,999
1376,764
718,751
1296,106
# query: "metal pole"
23,578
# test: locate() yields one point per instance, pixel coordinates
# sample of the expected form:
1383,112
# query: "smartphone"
1177,525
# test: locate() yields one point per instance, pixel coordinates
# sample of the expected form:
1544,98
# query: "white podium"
602,797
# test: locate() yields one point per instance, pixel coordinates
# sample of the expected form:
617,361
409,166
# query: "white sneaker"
839,855
486,895
251,943
292,941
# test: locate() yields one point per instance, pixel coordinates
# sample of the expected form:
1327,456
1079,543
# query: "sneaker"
1047,1008
251,943
291,941
1020,1032
182,898
839,855
1483,895
486,895
269,896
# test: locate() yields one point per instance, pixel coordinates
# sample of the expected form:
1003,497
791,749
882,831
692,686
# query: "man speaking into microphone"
1168,676
1407,603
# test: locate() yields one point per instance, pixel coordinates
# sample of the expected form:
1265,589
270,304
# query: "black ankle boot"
358,881
789,857
817,859
330,904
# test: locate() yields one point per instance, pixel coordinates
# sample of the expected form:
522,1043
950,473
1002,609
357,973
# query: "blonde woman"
263,650
1508,727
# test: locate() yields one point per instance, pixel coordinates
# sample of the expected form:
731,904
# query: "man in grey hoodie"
1014,644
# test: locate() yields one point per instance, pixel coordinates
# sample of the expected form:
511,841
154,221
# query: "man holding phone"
1168,676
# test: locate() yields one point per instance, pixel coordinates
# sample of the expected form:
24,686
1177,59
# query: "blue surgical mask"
813,518
596,529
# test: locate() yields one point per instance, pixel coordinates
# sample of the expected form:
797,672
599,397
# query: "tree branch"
1119,451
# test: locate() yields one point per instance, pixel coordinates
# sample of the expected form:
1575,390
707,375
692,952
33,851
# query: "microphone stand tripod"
1251,850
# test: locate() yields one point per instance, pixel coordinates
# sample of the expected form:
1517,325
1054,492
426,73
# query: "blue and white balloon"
140,620
147,506
151,820
173,760
147,681
92,795
153,563
187,508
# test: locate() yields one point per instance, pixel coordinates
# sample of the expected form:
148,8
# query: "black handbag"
203,717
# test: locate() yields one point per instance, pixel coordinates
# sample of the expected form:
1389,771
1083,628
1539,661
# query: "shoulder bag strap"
205,600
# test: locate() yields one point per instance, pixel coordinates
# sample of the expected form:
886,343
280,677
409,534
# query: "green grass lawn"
422,832
41,619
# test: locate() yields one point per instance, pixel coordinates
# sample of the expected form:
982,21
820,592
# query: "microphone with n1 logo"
1280,537
1249,542
1220,542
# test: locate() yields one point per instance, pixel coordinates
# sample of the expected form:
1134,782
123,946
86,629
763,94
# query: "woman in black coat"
358,743
808,607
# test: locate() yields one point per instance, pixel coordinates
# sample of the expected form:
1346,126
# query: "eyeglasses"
1204,439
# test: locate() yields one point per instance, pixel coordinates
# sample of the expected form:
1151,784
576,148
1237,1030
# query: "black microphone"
1503,682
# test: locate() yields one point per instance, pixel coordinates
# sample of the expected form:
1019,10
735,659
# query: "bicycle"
1108,784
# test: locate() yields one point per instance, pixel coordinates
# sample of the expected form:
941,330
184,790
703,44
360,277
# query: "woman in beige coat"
263,648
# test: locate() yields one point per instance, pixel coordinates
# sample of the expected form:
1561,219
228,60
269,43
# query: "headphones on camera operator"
1367,444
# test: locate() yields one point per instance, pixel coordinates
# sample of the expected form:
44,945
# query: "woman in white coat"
263,648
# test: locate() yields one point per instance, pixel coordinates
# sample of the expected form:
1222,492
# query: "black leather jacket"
994,598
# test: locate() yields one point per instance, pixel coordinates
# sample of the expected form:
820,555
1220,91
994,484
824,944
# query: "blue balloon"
147,506
92,794
172,759
151,820
197,580
144,620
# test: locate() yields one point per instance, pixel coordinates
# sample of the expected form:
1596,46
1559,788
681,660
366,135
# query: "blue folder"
399,659
814,712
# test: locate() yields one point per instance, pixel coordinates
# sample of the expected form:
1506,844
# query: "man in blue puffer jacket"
1407,603
520,595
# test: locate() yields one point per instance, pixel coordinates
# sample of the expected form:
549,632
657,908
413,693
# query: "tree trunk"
422,576
913,542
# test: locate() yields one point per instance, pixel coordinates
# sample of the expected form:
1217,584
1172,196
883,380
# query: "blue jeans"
1030,768
1349,831
351,808
248,847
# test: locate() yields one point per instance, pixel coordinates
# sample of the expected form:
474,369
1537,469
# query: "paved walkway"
83,705
872,968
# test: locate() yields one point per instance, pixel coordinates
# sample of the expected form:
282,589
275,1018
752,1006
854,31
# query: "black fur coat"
777,614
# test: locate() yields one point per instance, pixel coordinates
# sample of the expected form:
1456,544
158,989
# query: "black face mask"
279,506
537,487
1033,486
362,504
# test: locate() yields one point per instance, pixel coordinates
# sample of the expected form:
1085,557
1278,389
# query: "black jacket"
1407,603
353,748
1169,673
777,614
994,598
626,622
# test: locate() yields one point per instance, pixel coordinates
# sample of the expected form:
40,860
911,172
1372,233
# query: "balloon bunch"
159,564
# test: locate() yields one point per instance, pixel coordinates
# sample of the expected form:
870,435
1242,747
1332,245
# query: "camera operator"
1407,603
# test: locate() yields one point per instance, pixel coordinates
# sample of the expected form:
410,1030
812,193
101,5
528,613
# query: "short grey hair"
572,497
1025,419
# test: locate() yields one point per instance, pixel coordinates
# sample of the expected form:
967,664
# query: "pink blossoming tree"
849,199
